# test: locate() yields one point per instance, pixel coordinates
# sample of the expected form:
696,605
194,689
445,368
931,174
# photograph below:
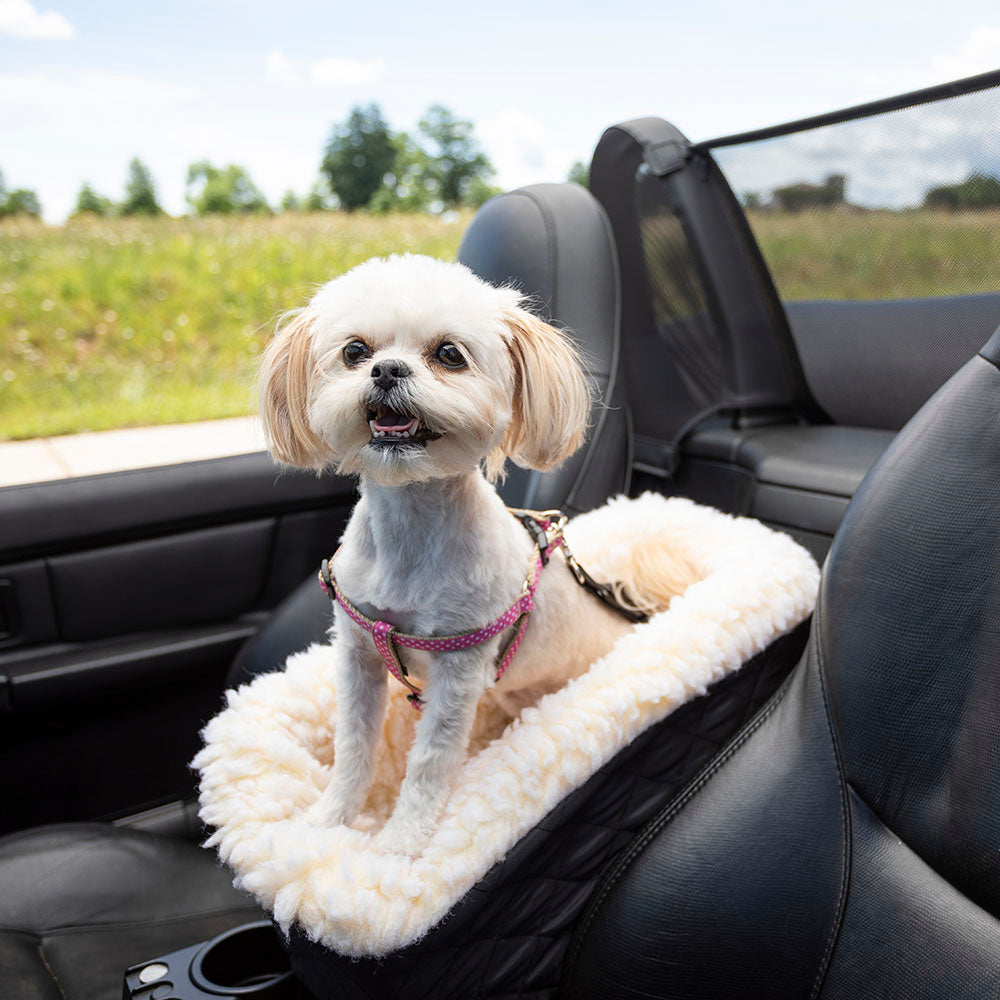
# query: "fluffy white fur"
430,546
268,756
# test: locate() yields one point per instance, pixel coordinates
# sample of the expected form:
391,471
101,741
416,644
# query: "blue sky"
86,86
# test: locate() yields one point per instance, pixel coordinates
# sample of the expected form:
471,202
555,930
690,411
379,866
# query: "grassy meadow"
843,253
127,322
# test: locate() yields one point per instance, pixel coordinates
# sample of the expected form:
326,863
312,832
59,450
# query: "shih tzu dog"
423,380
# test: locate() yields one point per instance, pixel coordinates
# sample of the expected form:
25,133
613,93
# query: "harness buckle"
574,566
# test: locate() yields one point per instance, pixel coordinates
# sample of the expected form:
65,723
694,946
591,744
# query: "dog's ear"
551,395
284,385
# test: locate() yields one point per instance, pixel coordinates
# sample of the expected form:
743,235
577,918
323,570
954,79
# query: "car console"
243,963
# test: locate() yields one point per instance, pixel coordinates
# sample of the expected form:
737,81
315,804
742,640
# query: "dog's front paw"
326,813
402,838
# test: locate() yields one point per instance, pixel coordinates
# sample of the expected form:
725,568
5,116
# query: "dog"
423,380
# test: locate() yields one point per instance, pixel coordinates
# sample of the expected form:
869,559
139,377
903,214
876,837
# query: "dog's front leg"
456,684
361,695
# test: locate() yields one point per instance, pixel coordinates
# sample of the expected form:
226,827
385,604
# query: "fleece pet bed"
267,756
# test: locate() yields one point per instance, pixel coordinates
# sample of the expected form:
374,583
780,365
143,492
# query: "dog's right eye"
356,352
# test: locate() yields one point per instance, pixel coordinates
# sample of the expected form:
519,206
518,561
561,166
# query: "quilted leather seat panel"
509,935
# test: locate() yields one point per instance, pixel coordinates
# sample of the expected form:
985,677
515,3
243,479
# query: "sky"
86,86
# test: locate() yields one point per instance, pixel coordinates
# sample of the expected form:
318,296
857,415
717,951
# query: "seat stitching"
49,969
845,825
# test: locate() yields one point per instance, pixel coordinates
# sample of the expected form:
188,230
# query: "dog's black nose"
388,373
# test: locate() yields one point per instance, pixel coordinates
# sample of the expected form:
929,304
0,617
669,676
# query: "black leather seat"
80,902
847,844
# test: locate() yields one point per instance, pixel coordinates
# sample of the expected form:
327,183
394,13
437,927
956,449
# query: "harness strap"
386,636
546,530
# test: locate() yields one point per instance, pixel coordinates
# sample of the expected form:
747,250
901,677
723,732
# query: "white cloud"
87,91
331,73
523,150
978,54
889,160
281,69
334,72
20,19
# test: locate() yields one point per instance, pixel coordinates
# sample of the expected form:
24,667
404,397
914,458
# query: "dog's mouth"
391,428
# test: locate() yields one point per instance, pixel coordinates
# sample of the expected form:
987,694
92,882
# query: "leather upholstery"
875,363
81,901
847,847
822,458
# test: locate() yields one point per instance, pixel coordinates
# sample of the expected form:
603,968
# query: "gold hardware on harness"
576,568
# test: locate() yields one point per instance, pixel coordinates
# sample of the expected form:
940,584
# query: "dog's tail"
654,574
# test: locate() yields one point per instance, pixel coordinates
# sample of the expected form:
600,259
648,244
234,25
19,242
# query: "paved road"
135,448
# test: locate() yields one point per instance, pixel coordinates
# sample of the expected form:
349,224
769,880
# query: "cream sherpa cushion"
267,756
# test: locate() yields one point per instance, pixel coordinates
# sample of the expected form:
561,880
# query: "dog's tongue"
393,421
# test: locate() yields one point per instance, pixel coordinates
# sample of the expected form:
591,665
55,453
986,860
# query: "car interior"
825,823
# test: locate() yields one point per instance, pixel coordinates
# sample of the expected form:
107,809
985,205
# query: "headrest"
554,243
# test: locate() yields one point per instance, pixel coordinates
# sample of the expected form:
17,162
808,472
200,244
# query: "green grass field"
845,254
132,322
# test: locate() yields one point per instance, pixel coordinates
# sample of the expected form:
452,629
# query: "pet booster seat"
540,806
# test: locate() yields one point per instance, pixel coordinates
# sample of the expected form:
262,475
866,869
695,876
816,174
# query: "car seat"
846,844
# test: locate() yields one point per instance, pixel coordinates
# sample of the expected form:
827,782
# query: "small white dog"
417,376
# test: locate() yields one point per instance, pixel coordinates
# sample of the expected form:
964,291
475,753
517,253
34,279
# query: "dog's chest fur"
433,558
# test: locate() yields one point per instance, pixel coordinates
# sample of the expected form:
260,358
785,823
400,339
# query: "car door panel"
124,600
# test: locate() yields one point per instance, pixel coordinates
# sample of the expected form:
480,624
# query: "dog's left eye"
356,352
450,356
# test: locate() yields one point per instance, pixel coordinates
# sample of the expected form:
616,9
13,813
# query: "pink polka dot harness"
546,530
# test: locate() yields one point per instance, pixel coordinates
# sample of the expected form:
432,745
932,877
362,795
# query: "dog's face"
407,368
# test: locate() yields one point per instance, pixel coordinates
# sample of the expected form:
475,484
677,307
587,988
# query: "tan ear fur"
284,385
551,396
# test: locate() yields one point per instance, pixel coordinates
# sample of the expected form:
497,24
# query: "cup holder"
245,963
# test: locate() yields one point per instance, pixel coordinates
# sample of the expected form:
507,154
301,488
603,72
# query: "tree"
455,159
359,153
140,191
797,197
222,190
291,202
318,199
20,201
579,174
480,191
976,192
89,202
406,187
